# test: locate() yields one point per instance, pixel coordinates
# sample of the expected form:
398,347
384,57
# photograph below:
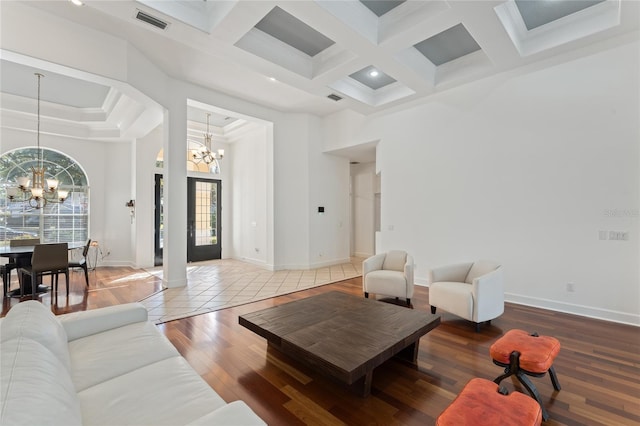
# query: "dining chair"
82,262
47,259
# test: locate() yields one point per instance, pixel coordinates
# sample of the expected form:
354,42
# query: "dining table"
20,257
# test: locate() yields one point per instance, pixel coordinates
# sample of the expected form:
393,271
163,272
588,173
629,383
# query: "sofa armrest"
86,323
236,413
373,263
488,293
451,273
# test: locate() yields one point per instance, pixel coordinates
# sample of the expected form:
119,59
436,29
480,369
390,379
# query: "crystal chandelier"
43,190
205,154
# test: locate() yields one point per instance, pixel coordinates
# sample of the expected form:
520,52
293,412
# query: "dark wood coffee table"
341,335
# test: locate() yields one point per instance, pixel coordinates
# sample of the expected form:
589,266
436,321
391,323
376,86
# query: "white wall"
248,157
329,178
363,180
523,168
146,151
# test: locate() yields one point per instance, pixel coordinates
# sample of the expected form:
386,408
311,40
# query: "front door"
203,219
159,218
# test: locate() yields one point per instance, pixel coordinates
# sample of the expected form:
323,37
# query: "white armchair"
473,291
390,274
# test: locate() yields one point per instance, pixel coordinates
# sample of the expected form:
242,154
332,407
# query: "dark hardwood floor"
598,365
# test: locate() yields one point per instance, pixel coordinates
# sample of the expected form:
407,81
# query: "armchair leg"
477,327
366,295
433,309
408,302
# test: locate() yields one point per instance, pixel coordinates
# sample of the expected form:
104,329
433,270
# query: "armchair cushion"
395,260
386,282
456,297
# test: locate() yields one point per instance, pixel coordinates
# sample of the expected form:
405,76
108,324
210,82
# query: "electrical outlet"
571,287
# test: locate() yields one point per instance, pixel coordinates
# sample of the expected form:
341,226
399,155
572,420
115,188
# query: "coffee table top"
343,334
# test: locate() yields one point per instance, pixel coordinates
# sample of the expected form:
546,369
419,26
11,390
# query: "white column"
175,190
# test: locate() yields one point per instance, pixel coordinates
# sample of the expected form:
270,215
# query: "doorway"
203,219
159,220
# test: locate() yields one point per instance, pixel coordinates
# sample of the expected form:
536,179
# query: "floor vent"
334,97
145,17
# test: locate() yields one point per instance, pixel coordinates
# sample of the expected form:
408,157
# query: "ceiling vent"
145,17
334,97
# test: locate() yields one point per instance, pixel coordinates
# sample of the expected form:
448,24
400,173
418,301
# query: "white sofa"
107,366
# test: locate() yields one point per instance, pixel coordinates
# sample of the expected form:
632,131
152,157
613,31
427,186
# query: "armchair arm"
488,294
408,275
454,273
373,263
86,323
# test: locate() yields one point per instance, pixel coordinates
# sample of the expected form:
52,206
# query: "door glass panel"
206,213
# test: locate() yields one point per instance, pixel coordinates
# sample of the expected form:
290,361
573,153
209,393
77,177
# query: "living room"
535,165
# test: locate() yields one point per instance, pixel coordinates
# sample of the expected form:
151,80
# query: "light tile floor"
220,284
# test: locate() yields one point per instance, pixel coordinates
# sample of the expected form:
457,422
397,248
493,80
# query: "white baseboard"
122,263
567,308
313,265
360,254
256,262
571,308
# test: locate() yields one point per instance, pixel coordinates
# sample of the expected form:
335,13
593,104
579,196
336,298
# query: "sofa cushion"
35,386
236,413
168,392
395,260
31,319
480,268
103,356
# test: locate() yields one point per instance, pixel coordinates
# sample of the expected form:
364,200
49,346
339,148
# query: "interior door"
159,218
203,218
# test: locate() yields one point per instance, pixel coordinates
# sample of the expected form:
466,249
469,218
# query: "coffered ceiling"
370,55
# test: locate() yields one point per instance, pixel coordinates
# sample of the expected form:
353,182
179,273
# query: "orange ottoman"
482,402
523,354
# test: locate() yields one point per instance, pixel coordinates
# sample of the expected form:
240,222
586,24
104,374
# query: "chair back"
85,250
50,257
24,242
395,260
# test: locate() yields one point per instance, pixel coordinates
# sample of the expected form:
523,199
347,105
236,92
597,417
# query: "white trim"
568,308
571,308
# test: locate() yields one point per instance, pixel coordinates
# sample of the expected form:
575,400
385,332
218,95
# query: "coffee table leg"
410,353
365,384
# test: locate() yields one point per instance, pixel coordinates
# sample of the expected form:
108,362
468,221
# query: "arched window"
56,222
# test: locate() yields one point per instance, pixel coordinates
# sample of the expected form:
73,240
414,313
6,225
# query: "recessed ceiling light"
76,2
272,79
374,73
